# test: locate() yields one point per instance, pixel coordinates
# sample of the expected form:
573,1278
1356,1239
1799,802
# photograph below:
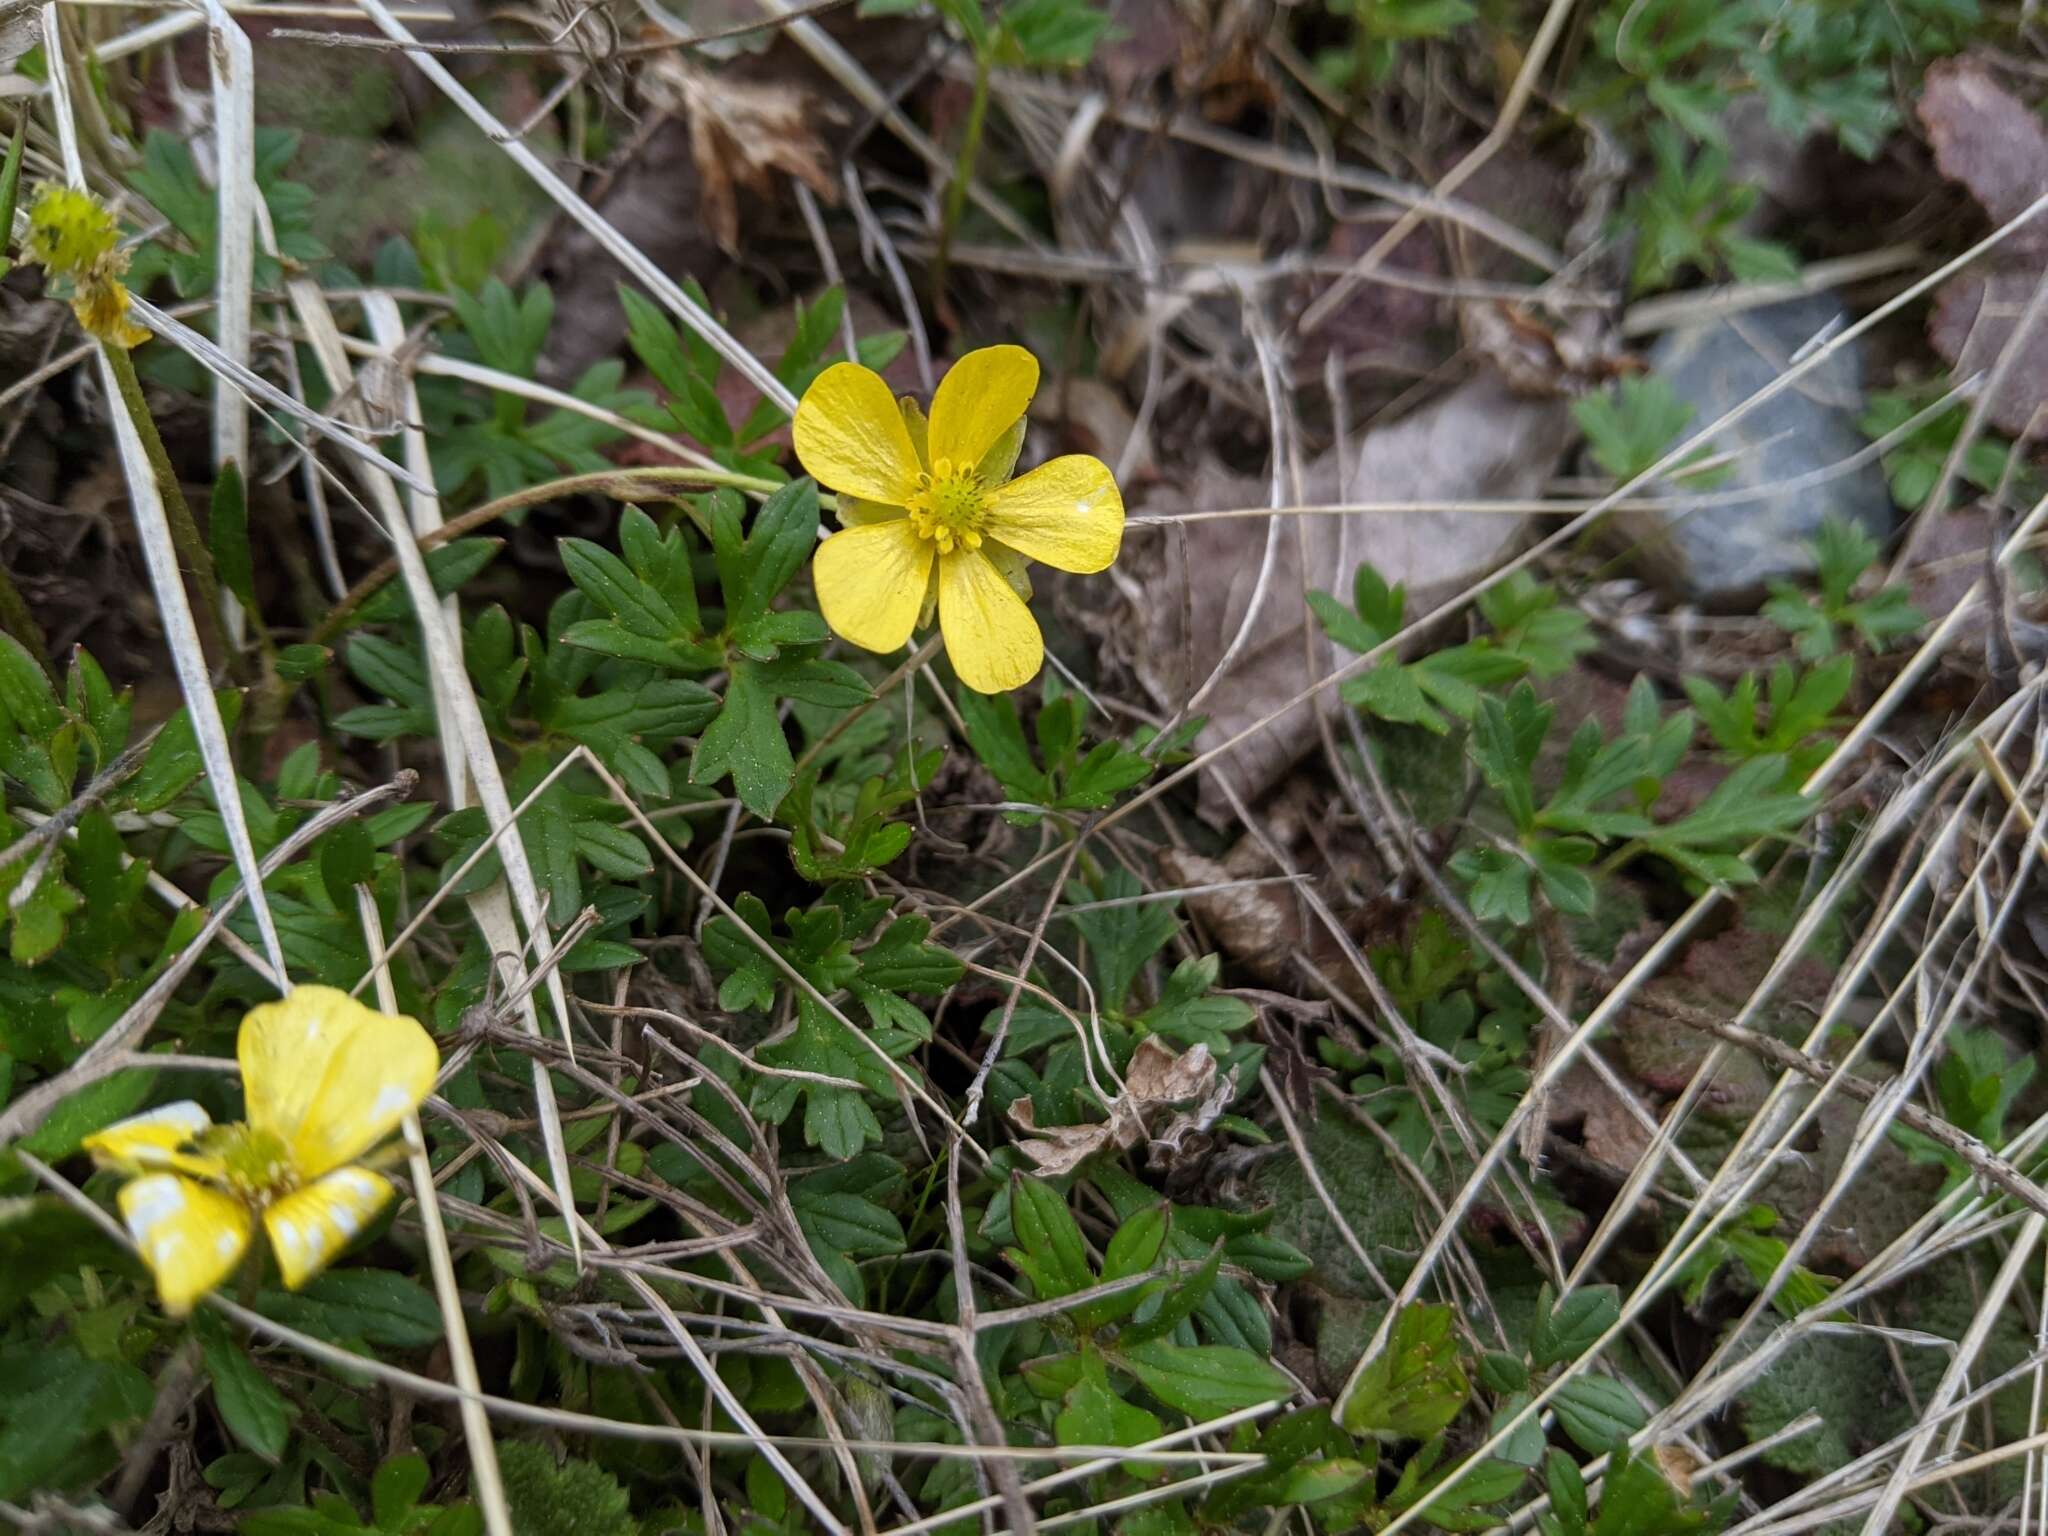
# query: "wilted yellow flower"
324,1079
70,231
101,304
932,518
75,239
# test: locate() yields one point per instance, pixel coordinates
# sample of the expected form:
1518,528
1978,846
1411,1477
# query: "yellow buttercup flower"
325,1079
931,517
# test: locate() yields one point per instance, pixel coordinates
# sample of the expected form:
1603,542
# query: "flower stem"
624,484
911,663
192,551
963,175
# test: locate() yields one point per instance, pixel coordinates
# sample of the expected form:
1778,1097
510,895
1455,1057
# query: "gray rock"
1790,451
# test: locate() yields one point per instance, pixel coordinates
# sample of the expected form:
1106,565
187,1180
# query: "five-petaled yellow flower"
931,518
325,1080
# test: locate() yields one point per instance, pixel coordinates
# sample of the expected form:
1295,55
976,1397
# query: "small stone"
1791,450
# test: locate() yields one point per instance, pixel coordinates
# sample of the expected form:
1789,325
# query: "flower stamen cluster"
951,506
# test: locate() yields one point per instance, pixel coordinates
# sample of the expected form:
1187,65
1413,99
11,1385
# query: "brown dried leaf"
1259,925
1538,357
1989,140
1974,321
1170,1148
1060,1149
1612,1136
1678,1466
741,133
1157,1078
1997,147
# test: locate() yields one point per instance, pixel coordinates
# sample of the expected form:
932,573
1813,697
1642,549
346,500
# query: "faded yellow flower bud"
101,304
74,238
70,232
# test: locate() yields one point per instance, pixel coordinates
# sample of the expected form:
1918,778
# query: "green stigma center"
257,1164
951,506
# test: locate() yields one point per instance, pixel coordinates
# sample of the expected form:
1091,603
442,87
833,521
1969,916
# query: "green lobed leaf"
747,741
1415,1385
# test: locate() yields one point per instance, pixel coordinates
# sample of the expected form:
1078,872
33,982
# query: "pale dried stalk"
455,700
234,138
486,1482
152,525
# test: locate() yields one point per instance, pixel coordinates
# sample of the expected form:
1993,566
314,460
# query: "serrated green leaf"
1415,1385
996,736
1567,1330
395,1488
375,1306
1050,1237
746,741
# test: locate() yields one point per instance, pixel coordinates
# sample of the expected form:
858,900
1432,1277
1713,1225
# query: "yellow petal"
980,399
156,1141
1067,513
311,1226
990,634
190,1236
870,580
330,1077
850,436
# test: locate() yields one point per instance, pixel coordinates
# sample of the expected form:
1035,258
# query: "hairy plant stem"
619,484
192,551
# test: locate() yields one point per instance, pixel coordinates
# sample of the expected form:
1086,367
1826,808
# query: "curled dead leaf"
1157,1079
741,133
1539,358
1678,1466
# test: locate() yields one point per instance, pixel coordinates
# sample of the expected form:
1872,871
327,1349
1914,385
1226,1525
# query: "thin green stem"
1618,860
10,184
911,663
620,484
192,551
963,175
